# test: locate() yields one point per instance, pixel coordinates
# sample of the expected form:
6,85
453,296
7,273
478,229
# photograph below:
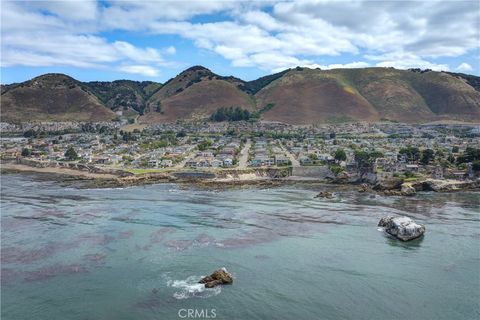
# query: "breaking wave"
190,288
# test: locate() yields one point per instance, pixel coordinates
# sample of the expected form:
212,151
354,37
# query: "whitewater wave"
190,288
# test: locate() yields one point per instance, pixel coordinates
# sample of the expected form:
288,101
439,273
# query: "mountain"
196,93
52,97
124,95
296,96
305,95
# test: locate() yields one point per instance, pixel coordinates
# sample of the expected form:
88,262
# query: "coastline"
99,178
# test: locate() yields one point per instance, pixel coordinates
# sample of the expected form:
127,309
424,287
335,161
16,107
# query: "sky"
94,40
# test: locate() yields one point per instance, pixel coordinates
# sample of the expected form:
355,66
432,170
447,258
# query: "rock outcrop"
388,184
324,194
364,188
218,277
402,228
407,190
446,185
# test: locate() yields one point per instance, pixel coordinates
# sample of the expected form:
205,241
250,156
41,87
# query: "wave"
190,288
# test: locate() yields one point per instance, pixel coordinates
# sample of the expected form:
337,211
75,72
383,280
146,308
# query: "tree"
365,160
412,153
428,155
30,133
476,166
26,152
230,114
455,149
204,145
71,154
451,158
470,155
340,155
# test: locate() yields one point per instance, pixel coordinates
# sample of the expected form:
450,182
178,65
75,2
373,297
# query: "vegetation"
257,114
254,86
336,169
470,155
340,155
26,152
365,159
71,154
412,154
123,93
230,114
204,145
428,155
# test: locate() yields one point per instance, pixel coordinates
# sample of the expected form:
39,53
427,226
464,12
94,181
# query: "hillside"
303,96
195,93
296,96
52,97
125,95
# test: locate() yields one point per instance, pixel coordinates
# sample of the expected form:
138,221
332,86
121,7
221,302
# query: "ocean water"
137,253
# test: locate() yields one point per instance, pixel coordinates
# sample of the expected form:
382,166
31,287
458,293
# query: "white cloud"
464,67
402,34
69,10
141,70
402,60
170,50
351,65
31,38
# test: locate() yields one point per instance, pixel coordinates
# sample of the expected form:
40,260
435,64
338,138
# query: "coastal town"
354,152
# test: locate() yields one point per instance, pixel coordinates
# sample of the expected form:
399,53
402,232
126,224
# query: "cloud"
32,38
269,35
351,65
464,67
141,70
402,60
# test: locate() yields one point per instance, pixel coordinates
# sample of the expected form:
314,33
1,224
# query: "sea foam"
190,288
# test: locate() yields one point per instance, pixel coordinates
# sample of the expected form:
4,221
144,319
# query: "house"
305,161
437,173
191,163
153,163
101,160
281,160
259,161
166,163
216,163
227,162
411,167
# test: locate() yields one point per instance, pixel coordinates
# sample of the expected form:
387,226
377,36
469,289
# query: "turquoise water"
136,253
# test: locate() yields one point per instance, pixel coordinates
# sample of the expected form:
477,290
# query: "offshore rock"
218,277
402,228
324,194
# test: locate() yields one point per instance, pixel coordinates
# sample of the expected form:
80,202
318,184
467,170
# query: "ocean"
138,253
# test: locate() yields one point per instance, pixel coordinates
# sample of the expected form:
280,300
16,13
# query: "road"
242,161
291,157
182,163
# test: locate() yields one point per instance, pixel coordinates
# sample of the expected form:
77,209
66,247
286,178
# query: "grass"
142,171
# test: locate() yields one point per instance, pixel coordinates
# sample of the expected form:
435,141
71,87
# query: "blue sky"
155,40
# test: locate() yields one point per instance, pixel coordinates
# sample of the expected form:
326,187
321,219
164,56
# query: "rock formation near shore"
218,277
402,228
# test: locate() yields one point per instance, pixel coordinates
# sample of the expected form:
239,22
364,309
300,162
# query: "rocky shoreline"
86,177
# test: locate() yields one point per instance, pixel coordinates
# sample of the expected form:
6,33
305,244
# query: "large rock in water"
324,194
402,228
220,276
